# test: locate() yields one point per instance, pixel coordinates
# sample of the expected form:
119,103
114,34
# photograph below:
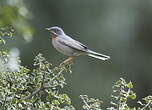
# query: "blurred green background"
120,29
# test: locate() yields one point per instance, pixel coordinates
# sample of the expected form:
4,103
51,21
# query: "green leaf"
130,85
14,100
55,102
123,99
2,41
132,96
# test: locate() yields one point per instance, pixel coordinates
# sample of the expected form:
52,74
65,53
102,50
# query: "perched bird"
70,47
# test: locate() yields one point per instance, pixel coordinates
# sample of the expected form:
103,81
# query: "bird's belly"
63,48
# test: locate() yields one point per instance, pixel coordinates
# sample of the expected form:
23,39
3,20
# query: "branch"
84,101
46,87
34,93
43,87
3,106
144,108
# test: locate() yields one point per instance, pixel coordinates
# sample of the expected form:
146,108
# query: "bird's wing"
73,44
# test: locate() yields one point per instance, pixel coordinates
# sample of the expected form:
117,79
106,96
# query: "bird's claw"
64,64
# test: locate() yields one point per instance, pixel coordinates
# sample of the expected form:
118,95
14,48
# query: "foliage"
38,88
122,92
91,103
14,13
5,32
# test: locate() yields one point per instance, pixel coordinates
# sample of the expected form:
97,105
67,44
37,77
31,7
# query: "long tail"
97,55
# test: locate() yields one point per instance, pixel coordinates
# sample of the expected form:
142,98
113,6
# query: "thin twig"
3,106
46,87
34,93
42,86
144,108
43,80
84,101
38,90
59,73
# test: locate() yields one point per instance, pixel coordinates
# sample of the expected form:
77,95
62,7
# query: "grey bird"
70,47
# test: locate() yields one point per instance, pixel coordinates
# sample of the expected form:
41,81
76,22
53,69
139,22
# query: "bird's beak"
48,28
51,30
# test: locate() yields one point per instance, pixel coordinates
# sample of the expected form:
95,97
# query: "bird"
70,47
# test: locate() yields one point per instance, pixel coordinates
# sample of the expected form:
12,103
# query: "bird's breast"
62,48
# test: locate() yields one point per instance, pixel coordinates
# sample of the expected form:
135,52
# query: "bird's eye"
56,30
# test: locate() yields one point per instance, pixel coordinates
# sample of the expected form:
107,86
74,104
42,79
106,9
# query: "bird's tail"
97,55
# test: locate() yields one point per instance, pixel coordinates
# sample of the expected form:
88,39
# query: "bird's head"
56,31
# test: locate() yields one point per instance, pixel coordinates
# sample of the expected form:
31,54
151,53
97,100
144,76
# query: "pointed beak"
48,29
51,30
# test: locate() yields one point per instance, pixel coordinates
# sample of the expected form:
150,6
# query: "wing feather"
73,44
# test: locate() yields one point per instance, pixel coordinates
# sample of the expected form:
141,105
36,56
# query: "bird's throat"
53,36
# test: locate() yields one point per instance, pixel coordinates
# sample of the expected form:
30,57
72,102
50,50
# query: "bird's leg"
67,60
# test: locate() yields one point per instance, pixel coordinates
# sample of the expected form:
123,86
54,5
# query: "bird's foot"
67,61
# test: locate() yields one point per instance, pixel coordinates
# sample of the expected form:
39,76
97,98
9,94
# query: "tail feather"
98,55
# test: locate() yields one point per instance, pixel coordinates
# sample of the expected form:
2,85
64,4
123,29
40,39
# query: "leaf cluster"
14,13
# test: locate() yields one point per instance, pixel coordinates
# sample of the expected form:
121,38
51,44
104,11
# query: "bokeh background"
118,28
